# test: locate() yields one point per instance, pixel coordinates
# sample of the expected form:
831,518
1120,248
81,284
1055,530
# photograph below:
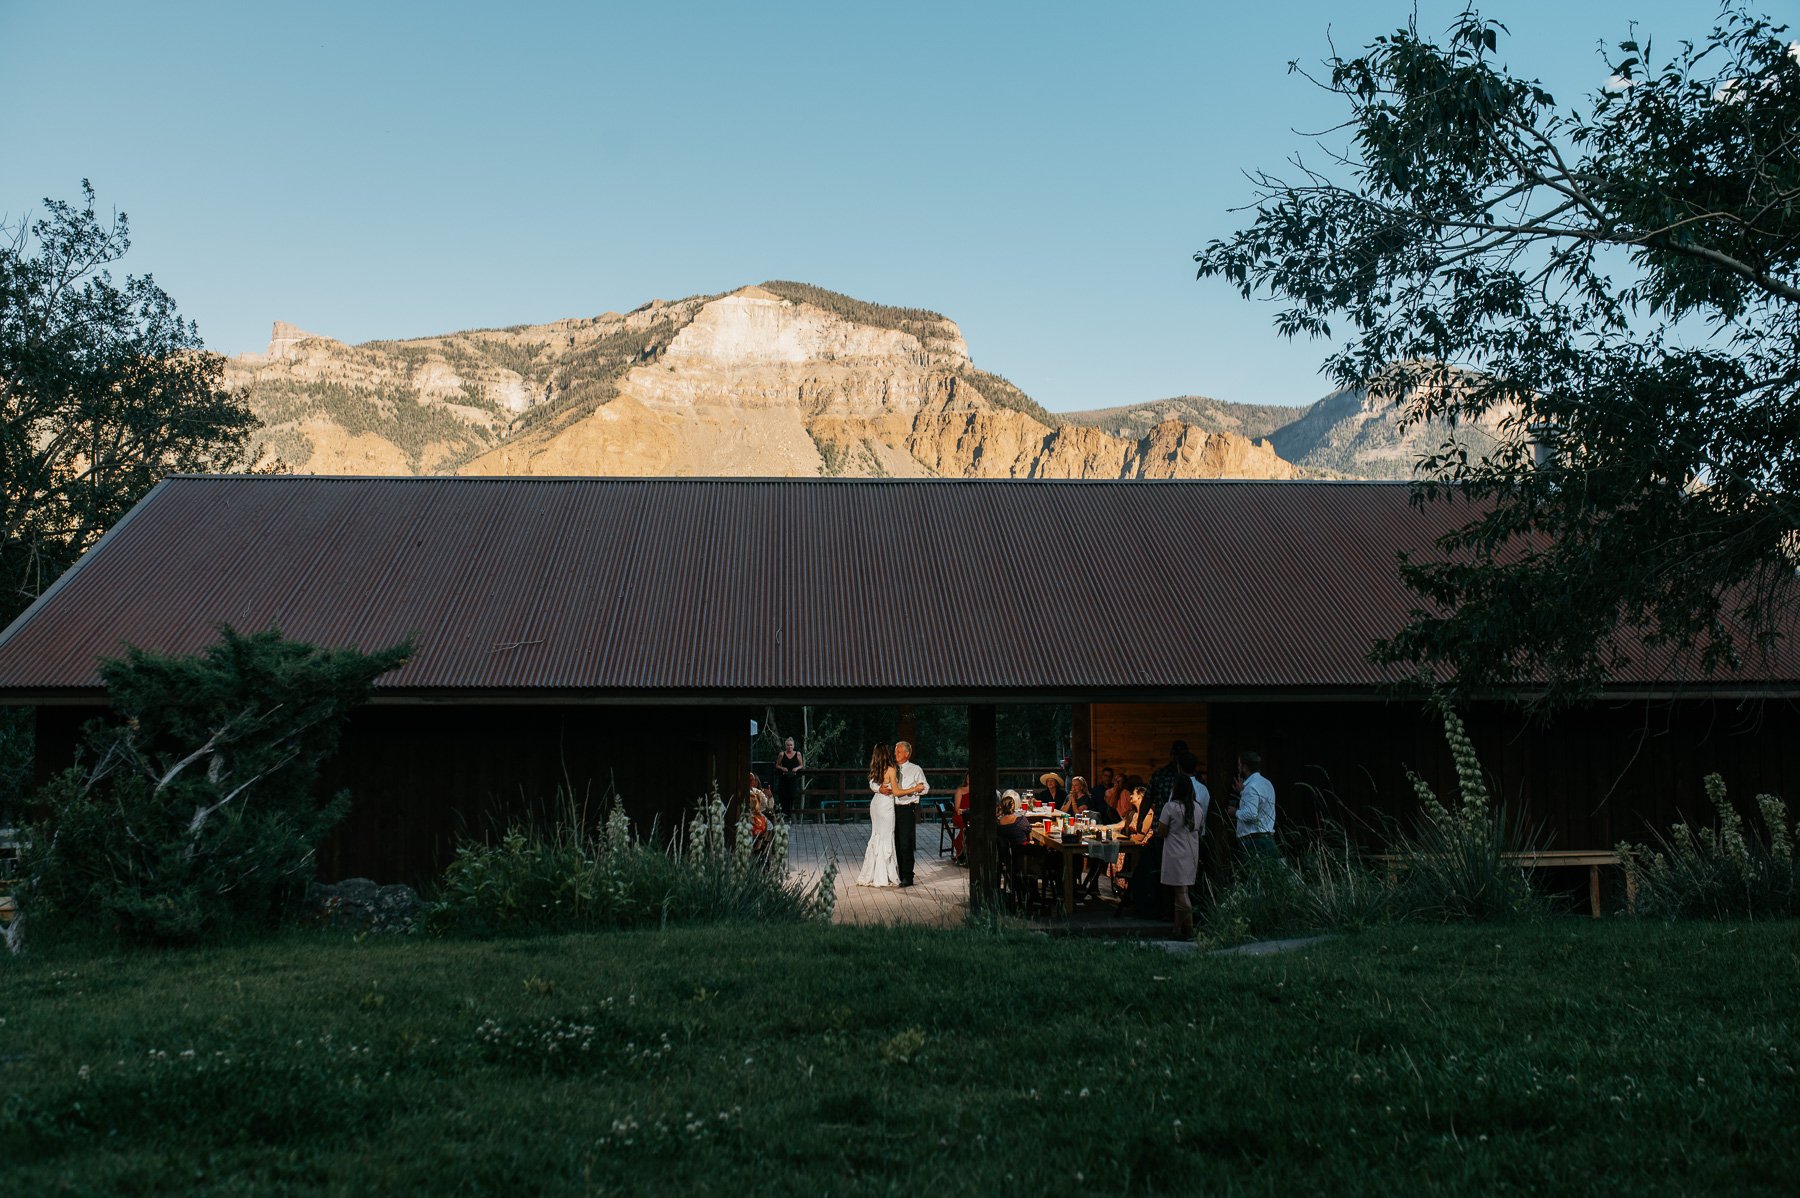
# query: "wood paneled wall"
1134,738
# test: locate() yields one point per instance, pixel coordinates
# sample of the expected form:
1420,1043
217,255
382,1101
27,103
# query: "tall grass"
1731,872
1323,885
1452,867
572,874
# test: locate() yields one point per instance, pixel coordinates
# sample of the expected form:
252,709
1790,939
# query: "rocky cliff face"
781,379
1348,434
1357,435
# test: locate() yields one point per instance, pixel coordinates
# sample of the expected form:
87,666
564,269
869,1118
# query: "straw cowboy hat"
1049,780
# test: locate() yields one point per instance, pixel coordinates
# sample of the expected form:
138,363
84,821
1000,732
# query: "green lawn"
1557,1057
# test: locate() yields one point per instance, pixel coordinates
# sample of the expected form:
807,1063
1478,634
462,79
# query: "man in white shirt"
906,809
1255,807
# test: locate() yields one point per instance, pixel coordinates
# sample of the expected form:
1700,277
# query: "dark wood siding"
420,777
1592,777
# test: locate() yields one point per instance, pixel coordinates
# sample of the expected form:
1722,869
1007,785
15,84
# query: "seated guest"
1015,838
1015,829
1079,801
1105,784
1145,896
1136,827
1103,806
1053,789
1117,793
1141,820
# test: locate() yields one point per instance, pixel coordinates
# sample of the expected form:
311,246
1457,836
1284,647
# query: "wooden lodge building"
622,633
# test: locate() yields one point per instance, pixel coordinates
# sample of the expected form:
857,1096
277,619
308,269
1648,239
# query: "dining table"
1090,844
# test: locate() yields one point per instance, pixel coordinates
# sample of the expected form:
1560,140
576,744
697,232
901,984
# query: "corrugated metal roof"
614,588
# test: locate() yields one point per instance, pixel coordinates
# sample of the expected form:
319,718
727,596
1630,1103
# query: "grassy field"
1556,1057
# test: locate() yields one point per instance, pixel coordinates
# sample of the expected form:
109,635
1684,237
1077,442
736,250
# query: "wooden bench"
1556,859
1560,858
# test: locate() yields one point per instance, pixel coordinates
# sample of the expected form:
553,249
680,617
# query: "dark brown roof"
627,589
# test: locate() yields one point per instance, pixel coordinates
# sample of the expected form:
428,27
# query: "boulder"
361,905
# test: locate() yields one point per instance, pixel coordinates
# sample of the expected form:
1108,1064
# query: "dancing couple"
895,784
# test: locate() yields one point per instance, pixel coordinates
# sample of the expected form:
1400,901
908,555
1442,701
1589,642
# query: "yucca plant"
1733,871
1454,866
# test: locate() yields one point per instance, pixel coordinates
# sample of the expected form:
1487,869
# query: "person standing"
906,809
879,867
1164,783
1180,825
1254,810
788,764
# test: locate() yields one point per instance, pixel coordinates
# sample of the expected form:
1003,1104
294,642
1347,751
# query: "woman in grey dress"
1180,825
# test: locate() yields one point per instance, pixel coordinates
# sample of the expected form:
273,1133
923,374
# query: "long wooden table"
1103,850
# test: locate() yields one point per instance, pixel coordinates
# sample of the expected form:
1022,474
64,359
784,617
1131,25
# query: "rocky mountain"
1355,435
778,379
1348,434
1201,411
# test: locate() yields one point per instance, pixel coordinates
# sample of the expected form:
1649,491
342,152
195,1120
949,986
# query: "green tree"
104,390
194,808
1616,286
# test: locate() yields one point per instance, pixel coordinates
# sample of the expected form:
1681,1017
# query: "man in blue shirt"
1254,810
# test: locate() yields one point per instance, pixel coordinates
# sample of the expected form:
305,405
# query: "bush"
1732,872
196,811
573,876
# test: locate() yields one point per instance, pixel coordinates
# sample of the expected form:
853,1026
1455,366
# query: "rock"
360,905
283,337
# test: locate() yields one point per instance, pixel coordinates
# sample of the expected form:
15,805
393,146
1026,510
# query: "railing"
842,794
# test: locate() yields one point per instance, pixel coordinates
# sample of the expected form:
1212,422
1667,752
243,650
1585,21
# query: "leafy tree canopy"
1615,285
104,389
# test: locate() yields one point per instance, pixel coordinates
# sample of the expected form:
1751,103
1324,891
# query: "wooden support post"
984,782
1594,889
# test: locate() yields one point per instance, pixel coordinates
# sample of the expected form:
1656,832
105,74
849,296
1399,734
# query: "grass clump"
575,876
1735,871
1324,887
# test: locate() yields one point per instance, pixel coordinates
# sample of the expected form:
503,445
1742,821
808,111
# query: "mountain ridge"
775,378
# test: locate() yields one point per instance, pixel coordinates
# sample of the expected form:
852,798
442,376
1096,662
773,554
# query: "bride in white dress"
881,864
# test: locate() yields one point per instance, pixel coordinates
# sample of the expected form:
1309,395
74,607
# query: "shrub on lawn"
194,810
572,875
1732,872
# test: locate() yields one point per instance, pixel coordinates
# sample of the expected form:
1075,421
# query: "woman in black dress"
788,765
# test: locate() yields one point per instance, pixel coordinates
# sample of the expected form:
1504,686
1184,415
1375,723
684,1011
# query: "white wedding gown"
881,865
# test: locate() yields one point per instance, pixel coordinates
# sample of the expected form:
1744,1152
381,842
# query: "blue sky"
1041,173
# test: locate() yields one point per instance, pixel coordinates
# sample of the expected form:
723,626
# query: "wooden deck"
939,896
